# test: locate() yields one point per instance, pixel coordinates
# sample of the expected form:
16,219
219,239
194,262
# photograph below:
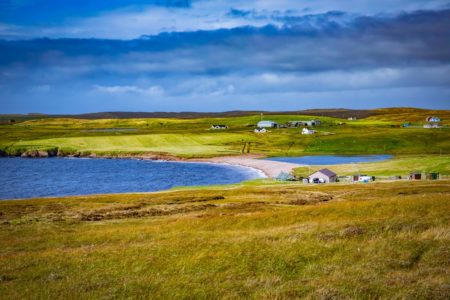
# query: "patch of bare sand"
269,168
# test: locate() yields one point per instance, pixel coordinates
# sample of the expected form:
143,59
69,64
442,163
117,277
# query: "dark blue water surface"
332,159
26,178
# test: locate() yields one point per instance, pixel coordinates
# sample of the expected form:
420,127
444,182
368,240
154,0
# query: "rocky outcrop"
52,152
35,154
65,152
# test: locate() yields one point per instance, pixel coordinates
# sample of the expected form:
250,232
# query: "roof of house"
266,122
326,172
433,119
306,130
302,121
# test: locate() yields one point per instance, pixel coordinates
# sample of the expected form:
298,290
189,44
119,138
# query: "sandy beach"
269,168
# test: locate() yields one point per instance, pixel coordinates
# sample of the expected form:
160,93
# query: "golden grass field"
260,241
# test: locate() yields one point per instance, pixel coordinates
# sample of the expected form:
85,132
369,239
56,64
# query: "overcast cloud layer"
223,55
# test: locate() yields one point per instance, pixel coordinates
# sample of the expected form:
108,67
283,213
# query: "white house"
260,130
215,127
322,176
365,178
434,125
362,178
267,124
433,119
303,123
308,131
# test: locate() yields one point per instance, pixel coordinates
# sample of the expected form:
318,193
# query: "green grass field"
398,166
376,241
192,137
176,144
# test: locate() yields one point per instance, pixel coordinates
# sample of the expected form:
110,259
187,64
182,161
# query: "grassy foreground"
381,240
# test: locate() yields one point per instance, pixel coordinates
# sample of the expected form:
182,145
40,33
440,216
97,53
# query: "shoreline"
257,162
248,173
267,168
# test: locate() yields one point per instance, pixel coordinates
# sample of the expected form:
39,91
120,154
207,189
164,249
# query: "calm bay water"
26,178
332,159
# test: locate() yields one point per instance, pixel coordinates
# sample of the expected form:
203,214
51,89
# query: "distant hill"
389,114
406,114
337,113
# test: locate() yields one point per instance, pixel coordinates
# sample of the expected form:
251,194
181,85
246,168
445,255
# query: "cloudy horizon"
181,55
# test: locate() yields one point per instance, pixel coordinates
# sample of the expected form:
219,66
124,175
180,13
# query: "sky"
79,56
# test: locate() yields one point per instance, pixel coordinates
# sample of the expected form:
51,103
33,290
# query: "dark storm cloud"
367,42
312,58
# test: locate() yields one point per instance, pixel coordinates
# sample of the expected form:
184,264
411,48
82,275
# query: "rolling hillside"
193,138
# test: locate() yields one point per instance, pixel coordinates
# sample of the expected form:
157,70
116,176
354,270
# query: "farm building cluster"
327,176
430,122
264,125
289,124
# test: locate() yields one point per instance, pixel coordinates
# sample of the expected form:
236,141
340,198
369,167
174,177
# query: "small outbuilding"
215,127
363,178
415,176
323,176
260,130
432,176
308,131
267,124
283,176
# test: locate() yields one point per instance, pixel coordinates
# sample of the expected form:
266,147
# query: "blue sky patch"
85,56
